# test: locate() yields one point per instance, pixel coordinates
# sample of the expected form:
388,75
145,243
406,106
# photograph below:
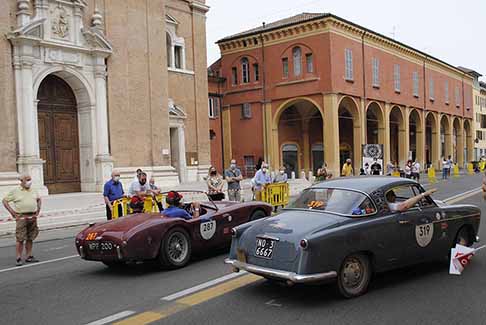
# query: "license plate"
264,248
100,246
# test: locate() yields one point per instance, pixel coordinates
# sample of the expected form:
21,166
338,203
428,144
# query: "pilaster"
331,133
386,142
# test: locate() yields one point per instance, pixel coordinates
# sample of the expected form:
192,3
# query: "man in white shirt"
407,204
416,170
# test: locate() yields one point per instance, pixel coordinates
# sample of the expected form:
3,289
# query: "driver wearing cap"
174,210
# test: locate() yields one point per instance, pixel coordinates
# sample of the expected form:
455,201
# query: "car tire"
175,250
258,214
354,275
463,237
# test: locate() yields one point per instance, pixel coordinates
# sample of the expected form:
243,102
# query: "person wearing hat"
347,168
174,210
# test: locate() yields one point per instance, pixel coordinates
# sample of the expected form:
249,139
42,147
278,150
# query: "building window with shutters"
213,107
457,96
348,65
479,135
256,72
285,67
415,79
178,56
483,121
446,92
246,111
297,61
245,71
375,72
234,76
309,59
396,77
431,90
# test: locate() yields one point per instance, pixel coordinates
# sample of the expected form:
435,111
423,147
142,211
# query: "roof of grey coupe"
365,184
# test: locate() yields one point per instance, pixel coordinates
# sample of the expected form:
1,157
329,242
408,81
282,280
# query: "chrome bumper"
284,275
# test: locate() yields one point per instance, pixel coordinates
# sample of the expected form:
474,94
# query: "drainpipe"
264,96
220,97
364,70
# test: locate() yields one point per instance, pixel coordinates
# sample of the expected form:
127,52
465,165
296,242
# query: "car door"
417,227
213,229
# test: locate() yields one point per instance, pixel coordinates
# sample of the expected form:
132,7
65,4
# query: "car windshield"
340,201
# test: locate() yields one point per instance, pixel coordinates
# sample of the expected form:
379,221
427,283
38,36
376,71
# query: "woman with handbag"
215,185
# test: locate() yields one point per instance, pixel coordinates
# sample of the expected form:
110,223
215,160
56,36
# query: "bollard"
292,175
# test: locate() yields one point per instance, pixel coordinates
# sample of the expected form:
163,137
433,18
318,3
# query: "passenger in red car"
174,210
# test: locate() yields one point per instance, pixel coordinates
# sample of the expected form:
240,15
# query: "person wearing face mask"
347,169
112,191
26,207
138,191
215,185
262,178
233,177
281,177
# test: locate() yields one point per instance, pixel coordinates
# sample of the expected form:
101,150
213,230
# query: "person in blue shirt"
112,191
173,200
262,178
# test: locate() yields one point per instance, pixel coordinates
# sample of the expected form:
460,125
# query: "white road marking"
56,248
38,263
272,303
202,286
112,318
461,194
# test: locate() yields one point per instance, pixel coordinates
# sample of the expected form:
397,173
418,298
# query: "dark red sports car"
168,241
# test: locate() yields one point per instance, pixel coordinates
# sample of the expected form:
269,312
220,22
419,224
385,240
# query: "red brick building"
315,87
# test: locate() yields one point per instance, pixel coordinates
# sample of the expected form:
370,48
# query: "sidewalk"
73,209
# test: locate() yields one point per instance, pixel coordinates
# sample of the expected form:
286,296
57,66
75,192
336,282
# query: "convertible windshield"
340,201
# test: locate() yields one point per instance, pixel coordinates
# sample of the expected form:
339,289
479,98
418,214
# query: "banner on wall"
372,159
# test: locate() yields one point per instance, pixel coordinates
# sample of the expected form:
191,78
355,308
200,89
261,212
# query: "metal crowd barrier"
276,194
149,205
431,175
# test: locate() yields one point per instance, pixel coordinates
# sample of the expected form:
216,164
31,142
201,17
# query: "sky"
450,30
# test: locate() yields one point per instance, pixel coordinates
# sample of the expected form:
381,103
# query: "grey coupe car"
344,230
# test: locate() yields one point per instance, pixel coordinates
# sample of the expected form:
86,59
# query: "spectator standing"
389,168
281,177
347,169
215,184
26,208
138,191
366,169
155,191
233,178
262,178
445,168
408,169
375,167
450,164
416,171
112,191
323,174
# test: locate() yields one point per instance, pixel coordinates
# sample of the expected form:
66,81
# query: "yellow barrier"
482,165
149,205
470,168
431,174
276,194
395,174
455,170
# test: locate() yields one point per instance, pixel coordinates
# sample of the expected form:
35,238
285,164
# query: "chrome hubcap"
178,247
352,273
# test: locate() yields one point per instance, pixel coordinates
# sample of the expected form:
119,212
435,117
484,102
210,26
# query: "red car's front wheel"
175,250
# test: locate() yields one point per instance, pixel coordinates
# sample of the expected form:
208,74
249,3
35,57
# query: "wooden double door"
58,135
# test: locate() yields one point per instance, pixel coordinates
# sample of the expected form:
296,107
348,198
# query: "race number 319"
424,234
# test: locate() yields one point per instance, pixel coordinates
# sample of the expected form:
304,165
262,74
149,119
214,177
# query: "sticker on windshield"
208,229
424,234
315,204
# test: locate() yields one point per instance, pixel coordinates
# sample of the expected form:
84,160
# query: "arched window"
245,71
297,55
168,42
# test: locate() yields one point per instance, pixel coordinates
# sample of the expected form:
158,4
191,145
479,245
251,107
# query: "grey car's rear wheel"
354,275
175,251
258,214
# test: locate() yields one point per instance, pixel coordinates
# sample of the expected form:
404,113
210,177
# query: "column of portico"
358,139
363,121
404,137
460,144
436,142
331,133
182,154
306,144
227,148
103,159
420,139
386,142
448,137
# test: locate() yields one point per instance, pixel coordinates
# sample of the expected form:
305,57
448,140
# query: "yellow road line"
191,300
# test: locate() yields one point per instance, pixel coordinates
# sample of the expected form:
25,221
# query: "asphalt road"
63,289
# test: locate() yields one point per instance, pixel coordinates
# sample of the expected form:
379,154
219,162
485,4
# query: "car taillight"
304,243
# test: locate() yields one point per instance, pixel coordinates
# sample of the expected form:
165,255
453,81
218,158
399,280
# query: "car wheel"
463,237
354,275
175,250
258,214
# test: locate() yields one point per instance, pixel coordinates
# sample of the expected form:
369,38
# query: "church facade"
88,86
